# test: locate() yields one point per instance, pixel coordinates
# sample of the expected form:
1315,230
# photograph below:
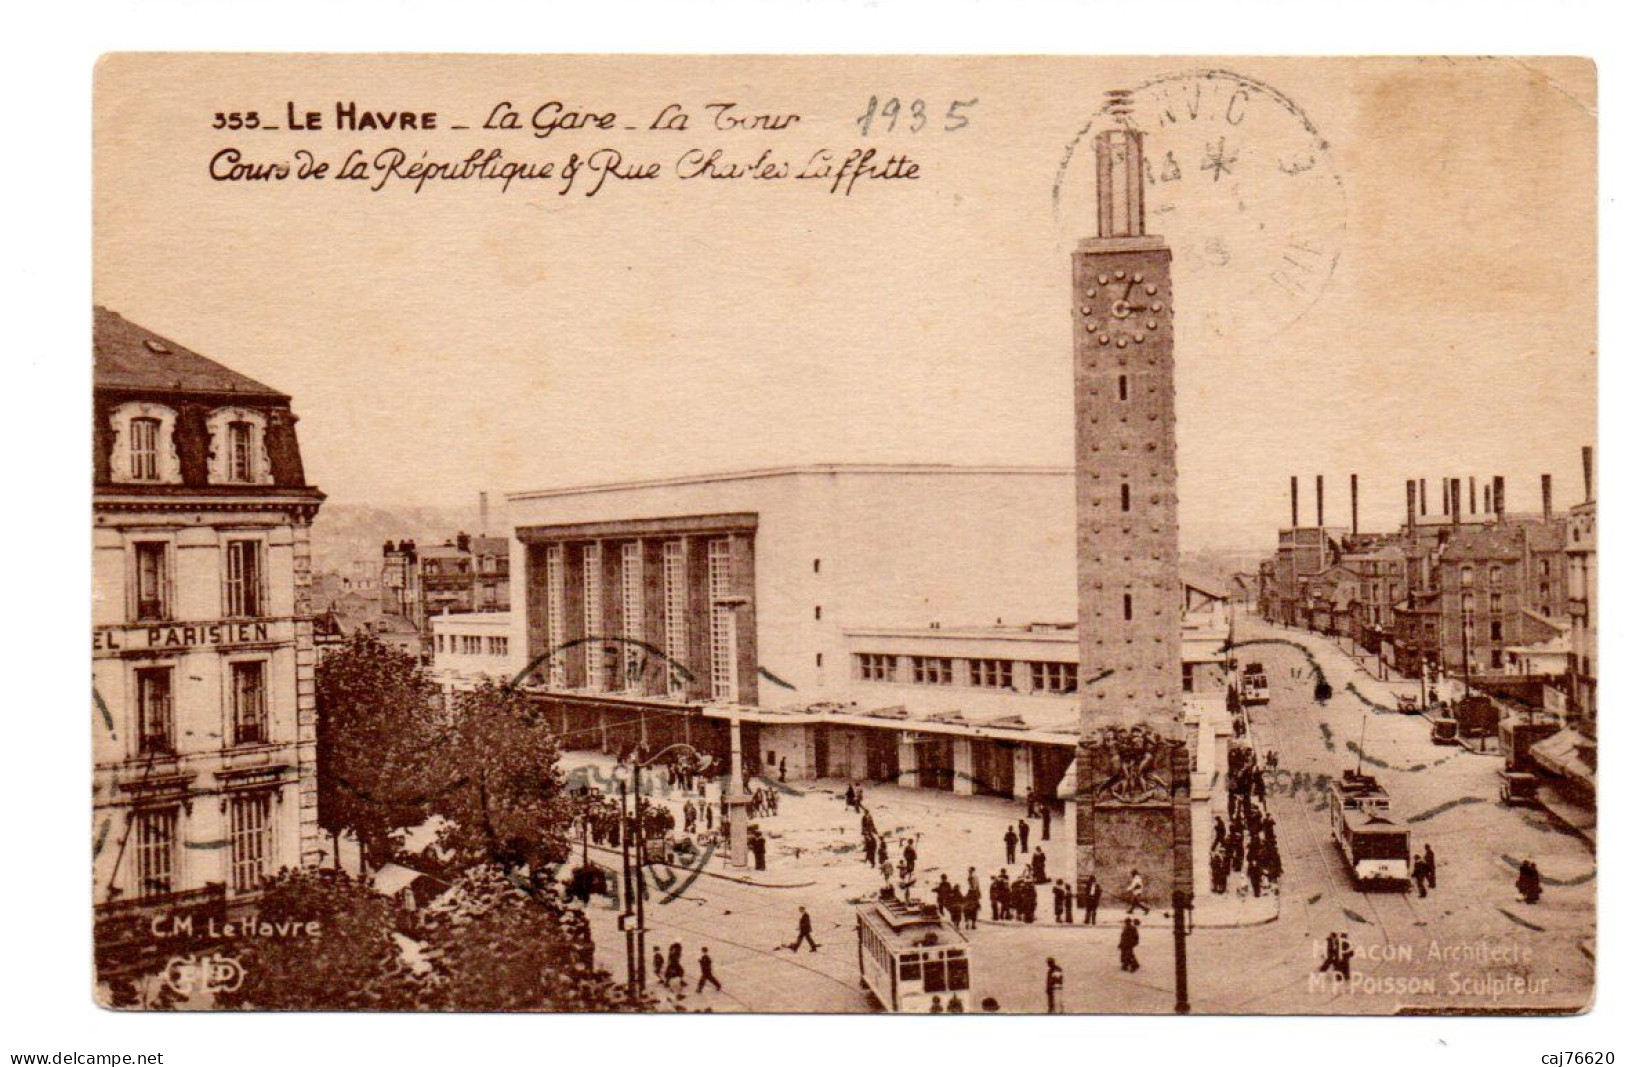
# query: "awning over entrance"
1564,753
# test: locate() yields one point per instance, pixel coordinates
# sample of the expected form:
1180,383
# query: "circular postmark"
1243,188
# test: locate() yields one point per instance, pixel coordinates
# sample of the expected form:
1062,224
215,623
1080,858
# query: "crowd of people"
1247,844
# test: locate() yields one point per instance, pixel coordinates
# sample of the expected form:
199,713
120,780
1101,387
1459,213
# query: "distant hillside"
343,533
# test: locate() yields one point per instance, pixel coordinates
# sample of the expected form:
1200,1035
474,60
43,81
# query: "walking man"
1136,893
706,973
1433,866
804,933
1054,981
1067,900
1060,901
1010,840
1025,830
1126,943
1091,900
1043,814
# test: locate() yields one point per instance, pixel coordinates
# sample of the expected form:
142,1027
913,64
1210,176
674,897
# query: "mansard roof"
133,357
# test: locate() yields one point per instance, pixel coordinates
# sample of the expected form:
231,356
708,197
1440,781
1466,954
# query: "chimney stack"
1422,497
1455,501
1472,495
1546,498
1585,470
1320,500
485,513
1488,509
1410,505
1354,505
1500,498
1294,501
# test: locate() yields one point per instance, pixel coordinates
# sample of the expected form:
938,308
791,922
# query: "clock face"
1243,189
1123,308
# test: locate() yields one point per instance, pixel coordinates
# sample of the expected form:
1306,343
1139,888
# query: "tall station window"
723,668
555,616
675,580
592,611
632,612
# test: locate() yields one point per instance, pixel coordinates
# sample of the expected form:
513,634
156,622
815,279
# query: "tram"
1377,849
908,954
1255,685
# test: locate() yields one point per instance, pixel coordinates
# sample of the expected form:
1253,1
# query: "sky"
1381,266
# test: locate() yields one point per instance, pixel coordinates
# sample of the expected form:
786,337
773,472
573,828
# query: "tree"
376,732
351,961
500,944
501,792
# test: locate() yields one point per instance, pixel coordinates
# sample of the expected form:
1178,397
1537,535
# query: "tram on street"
1376,848
908,954
1255,685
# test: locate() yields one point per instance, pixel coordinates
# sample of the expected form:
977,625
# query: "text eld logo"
208,973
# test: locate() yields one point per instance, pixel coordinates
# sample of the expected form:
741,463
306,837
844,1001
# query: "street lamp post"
628,894
1182,907
632,918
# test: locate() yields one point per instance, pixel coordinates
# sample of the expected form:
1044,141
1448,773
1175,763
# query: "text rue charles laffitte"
587,170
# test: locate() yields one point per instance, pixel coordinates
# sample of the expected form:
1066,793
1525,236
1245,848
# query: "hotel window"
1495,603
555,616
248,717
240,443
155,711
1495,577
144,449
1054,677
933,670
675,580
1466,577
245,578
632,611
873,667
592,611
723,668
1467,604
154,854
1495,629
151,581
499,646
250,841
1545,568
992,673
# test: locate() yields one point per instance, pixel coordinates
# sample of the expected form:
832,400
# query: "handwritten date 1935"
879,118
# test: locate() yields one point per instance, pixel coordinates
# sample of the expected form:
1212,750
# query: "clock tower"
1131,779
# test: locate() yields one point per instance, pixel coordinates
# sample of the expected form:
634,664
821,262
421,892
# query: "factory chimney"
1455,501
1410,505
1354,505
1472,495
1500,498
1422,496
1546,498
1320,500
1585,470
1294,501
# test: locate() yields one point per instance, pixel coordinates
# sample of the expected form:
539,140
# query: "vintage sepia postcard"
842,534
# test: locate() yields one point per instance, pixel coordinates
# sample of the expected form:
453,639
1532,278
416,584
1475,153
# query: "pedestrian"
1529,882
869,849
1060,900
803,932
1010,840
998,896
1092,891
1067,900
941,891
936,1005
674,966
1419,872
660,966
851,796
971,884
1043,813
1024,830
1433,866
1054,983
885,854
956,906
973,906
1136,892
1040,875
955,1005
784,769
909,857
1126,943
706,973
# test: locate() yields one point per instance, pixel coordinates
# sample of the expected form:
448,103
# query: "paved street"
1446,951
